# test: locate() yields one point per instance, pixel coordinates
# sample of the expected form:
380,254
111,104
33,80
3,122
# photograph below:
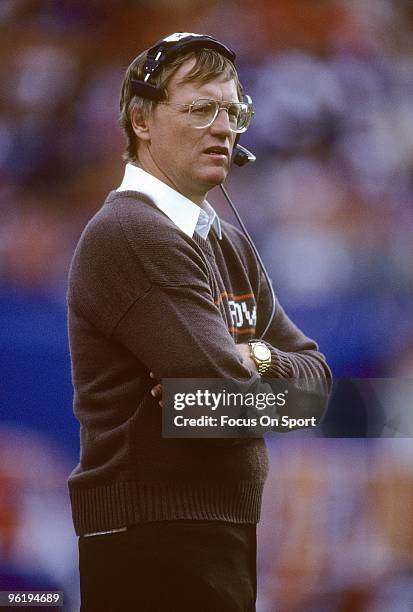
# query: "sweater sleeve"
178,332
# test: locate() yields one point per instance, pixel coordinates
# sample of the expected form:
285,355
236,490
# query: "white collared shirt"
186,215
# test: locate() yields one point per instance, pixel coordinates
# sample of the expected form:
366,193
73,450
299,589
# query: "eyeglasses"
203,112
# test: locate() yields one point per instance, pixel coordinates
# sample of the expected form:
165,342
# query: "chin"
216,177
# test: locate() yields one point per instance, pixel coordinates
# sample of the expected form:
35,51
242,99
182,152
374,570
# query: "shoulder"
101,247
141,222
130,245
101,228
124,216
104,279
130,221
168,255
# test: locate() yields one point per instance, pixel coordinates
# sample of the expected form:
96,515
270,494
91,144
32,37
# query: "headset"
161,54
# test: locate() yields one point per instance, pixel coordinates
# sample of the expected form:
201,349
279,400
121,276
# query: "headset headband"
165,50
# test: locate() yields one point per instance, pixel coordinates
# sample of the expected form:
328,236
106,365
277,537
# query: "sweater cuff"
281,366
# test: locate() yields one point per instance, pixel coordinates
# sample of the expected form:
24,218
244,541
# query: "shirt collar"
186,215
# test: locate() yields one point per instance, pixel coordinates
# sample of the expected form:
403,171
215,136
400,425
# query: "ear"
140,125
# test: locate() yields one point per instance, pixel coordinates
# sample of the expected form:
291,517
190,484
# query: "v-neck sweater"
143,296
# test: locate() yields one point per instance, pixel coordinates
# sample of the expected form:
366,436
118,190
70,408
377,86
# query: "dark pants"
170,566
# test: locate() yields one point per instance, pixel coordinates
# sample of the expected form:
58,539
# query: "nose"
221,123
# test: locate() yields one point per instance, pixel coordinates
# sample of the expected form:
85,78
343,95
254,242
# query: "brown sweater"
143,297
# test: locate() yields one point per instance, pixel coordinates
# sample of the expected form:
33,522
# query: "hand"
156,390
245,353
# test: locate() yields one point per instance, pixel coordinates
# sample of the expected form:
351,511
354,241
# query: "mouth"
218,152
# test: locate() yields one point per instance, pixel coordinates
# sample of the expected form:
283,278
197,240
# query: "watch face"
262,352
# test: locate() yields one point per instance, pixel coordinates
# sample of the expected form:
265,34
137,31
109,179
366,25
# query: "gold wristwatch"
261,355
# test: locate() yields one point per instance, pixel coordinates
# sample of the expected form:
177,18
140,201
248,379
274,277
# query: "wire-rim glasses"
203,112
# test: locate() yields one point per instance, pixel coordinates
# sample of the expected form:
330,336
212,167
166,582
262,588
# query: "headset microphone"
242,156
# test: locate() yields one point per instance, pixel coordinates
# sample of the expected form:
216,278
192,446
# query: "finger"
156,391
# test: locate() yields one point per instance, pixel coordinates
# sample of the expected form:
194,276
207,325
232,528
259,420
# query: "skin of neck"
146,161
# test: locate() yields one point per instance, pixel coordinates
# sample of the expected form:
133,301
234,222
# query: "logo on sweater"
243,312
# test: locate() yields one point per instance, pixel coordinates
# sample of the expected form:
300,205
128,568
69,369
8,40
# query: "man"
160,285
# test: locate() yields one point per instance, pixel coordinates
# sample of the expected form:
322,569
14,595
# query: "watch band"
263,368
261,355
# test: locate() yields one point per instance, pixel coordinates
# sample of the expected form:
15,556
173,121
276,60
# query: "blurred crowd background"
329,203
